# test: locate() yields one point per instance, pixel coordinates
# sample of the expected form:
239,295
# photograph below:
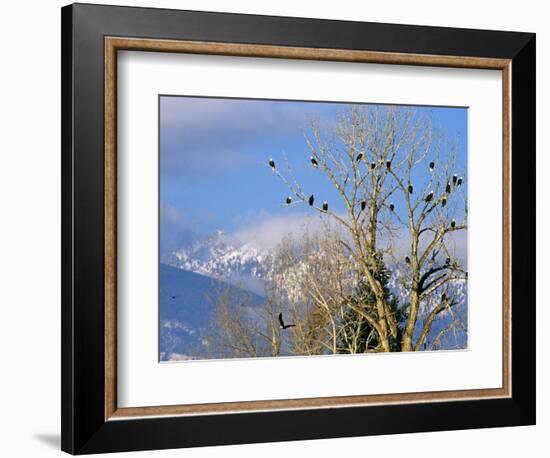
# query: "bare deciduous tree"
402,202
395,175
238,329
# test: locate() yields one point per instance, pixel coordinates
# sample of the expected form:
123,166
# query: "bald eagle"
282,323
363,204
448,188
392,207
288,200
453,224
429,197
432,166
311,199
372,165
359,157
388,164
444,202
407,260
272,164
410,189
325,206
455,179
459,182
314,162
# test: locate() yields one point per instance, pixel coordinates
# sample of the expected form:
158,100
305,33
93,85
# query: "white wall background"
30,225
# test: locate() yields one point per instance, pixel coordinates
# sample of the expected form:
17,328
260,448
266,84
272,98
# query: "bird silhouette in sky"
282,323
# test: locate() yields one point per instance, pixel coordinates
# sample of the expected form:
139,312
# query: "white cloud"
175,230
264,230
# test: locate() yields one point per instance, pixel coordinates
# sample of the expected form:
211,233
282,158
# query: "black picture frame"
84,428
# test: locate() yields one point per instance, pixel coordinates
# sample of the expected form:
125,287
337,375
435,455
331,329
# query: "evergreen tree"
356,327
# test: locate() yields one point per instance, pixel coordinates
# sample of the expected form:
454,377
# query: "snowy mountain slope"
218,257
186,301
245,266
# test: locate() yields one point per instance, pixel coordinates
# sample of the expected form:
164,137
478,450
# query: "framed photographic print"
282,228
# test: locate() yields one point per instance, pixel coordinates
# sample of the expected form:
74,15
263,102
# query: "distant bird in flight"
173,297
432,166
288,200
311,200
453,223
359,157
325,206
410,189
459,182
282,323
314,162
392,207
455,179
444,202
429,197
388,164
272,164
363,204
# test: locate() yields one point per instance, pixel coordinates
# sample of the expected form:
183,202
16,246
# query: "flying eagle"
282,323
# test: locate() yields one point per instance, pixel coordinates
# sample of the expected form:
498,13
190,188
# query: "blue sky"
213,155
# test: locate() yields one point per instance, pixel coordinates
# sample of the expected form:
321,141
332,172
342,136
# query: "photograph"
295,228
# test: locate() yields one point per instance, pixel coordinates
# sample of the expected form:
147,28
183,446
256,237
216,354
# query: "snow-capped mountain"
219,257
245,266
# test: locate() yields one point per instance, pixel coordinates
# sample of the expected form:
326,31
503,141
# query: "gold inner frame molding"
114,44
